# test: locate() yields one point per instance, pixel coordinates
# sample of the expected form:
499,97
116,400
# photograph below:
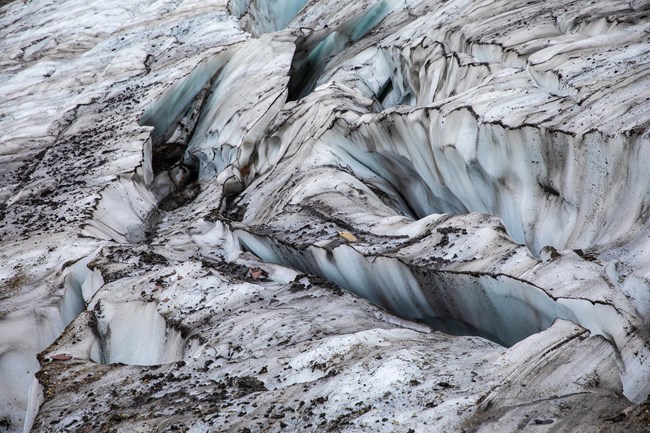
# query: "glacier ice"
315,50
262,16
31,321
135,333
188,185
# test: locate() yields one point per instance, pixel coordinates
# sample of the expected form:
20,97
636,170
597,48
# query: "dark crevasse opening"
175,117
499,308
315,50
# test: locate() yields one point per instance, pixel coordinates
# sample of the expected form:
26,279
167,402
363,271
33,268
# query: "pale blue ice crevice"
318,48
123,330
240,89
265,16
243,99
165,113
527,176
498,307
81,284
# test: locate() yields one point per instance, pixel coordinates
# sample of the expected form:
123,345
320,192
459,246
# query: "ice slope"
187,187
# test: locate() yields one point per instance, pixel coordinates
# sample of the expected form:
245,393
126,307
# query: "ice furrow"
315,50
447,297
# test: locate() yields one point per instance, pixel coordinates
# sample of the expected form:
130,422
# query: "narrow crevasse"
264,16
315,50
233,121
497,307
119,326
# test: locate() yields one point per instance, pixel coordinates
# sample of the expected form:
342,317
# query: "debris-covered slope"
389,215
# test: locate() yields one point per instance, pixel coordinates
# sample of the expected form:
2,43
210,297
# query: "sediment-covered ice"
324,215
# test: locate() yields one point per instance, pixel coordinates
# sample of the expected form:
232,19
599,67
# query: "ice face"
21,394
317,49
135,333
188,186
28,331
263,16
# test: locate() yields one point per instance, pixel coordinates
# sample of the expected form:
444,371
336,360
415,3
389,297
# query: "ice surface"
188,186
17,380
318,48
264,16
135,333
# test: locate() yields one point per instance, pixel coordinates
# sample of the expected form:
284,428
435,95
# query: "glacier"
318,215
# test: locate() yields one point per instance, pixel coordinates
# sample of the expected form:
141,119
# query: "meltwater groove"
498,308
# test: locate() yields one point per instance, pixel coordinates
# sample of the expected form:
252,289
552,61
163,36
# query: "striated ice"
135,333
324,215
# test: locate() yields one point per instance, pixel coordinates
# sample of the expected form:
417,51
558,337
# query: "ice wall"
28,331
263,16
135,333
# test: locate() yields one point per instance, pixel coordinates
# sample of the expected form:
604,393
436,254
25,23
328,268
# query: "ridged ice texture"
548,187
135,333
511,135
260,16
232,121
496,129
440,159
